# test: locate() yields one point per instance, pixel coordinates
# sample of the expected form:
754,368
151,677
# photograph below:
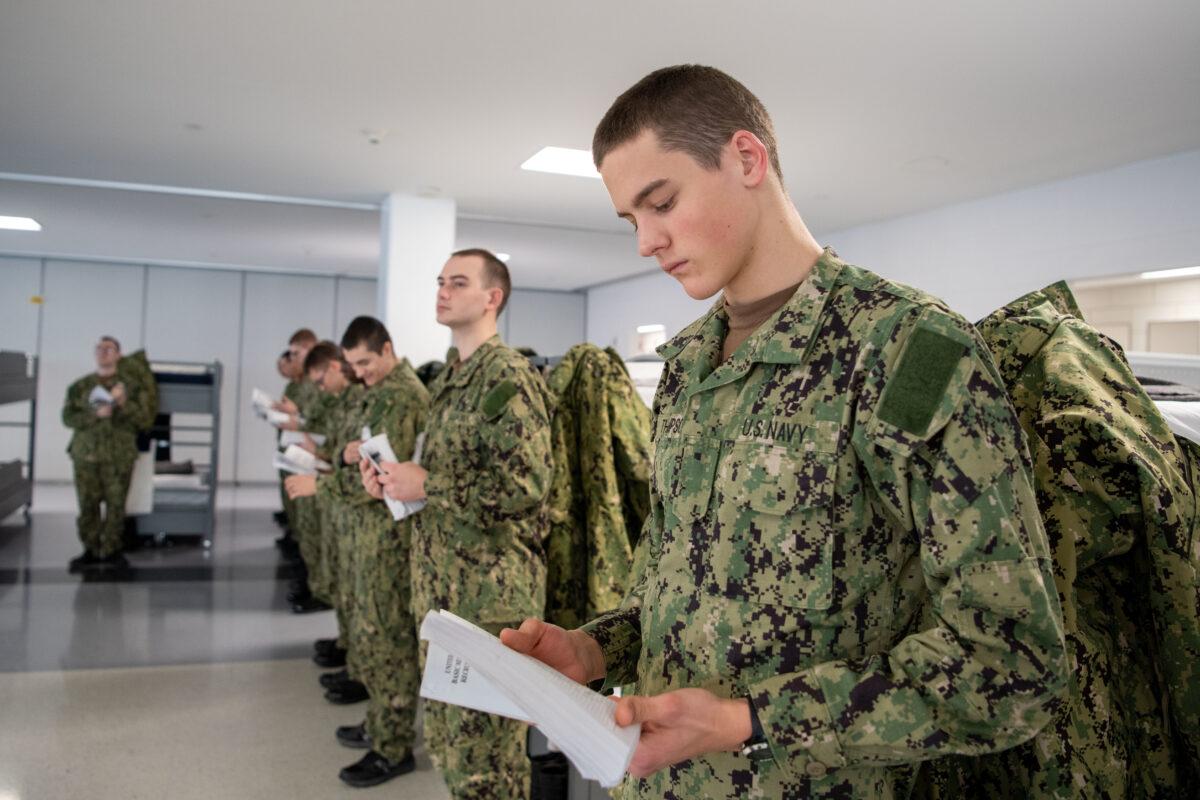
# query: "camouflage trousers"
104,482
344,579
383,634
288,503
481,756
322,575
305,522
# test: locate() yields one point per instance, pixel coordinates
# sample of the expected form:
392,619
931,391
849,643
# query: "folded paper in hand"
261,401
299,461
263,407
100,397
381,450
474,670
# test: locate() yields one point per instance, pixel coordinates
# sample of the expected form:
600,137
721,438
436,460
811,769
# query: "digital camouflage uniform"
478,543
306,524
1120,512
853,459
303,393
601,491
102,452
134,371
340,495
383,633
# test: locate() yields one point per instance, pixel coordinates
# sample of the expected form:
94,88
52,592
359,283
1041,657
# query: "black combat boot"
354,736
332,680
84,559
373,769
346,693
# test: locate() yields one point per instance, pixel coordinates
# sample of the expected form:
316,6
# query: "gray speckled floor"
190,680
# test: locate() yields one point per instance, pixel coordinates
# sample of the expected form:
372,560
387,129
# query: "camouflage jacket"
478,543
399,406
110,439
134,371
344,426
1114,488
303,393
601,491
854,459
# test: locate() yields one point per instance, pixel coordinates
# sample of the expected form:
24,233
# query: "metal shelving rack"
188,388
18,384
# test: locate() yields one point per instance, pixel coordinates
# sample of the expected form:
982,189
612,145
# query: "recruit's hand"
293,424
682,724
573,653
104,411
403,481
118,394
370,480
300,485
308,444
350,454
286,405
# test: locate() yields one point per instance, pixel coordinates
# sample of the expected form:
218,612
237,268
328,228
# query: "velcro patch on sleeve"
497,399
915,390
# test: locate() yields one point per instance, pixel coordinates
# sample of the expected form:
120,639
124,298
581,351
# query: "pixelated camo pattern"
1115,491
601,492
478,543
796,533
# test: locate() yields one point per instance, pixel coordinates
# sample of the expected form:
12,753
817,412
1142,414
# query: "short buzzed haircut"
689,107
114,341
368,332
495,273
304,336
321,354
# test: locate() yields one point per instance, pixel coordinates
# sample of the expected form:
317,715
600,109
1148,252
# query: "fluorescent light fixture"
1180,272
562,161
503,257
19,224
651,328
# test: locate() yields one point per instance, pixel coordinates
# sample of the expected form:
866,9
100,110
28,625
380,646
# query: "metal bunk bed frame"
18,383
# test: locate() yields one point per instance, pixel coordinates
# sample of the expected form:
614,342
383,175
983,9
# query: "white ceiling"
881,109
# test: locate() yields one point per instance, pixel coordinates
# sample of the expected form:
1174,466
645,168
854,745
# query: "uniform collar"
783,339
460,372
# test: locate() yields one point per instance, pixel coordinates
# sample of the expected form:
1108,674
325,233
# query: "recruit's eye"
663,208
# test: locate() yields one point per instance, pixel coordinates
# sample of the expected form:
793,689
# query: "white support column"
418,237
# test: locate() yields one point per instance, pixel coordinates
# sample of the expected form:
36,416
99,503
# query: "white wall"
241,318
981,254
549,322
615,310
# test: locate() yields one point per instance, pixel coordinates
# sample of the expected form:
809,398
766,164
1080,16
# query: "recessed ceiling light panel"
503,257
562,161
1162,274
19,224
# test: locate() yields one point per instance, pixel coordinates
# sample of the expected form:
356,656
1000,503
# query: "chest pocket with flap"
775,525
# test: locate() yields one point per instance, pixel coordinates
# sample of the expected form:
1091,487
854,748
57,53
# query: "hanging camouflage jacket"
1115,491
134,371
601,490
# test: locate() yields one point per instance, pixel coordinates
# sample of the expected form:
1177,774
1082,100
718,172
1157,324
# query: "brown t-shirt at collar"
746,318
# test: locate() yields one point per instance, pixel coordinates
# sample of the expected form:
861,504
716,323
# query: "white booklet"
261,401
297,437
581,723
376,449
297,460
100,396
